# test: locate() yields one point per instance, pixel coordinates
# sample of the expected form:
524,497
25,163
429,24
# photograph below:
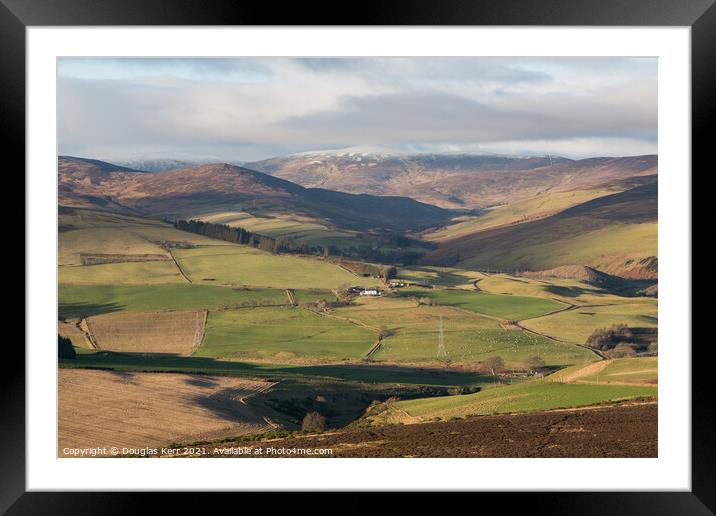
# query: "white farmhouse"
371,292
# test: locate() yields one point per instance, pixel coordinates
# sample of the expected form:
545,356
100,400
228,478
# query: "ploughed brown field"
177,332
613,431
109,408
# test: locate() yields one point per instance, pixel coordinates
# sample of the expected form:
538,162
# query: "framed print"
433,250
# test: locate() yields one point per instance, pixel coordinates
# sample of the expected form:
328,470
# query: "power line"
441,341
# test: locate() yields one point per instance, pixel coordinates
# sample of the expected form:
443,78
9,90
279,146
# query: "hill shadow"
144,362
198,381
225,404
445,278
79,310
558,290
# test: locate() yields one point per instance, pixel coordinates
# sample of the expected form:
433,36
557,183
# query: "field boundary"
344,319
341,266
373,350
176,262
87,330
601,355
199,330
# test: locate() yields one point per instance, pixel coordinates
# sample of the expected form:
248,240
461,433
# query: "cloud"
251,108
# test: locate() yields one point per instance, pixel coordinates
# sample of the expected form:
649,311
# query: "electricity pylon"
441,341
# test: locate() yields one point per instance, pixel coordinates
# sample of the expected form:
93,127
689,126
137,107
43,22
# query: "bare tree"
535,363
494,364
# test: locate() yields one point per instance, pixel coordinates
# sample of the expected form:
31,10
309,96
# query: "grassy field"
283,334
594,248
177,332
577,325
281,225
134,273
93,232
567,290
524,397
242,265
468,338
518,211
496,305
86,300
636,370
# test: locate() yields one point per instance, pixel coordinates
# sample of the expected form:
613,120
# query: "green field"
413,336
577,325
515,347
523,397
628,370
567,290
243,265
497,305
86,300
134,273
301,228
284,334
94,232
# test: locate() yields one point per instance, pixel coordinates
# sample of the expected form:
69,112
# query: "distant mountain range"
453,180
211,188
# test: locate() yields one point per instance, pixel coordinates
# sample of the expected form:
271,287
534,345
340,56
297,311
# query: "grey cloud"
422,117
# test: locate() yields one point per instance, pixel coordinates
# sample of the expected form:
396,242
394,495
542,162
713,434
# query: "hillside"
454,180
206,189
577,272
616,234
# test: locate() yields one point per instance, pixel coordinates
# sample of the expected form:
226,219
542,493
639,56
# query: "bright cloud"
247,109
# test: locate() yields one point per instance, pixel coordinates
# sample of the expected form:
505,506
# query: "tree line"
238,235
372,249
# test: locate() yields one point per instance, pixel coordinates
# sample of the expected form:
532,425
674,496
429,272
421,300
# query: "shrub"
608,338
622,350
313,422
64,348
535,363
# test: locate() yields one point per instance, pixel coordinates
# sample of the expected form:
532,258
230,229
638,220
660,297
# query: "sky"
247,109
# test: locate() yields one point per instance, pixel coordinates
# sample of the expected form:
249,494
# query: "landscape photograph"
364,257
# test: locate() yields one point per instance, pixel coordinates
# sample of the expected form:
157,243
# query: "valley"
454,291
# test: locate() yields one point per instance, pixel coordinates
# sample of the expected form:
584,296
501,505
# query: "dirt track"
615,431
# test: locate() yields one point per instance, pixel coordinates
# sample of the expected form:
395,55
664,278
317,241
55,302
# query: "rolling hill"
616,234
205,189
466,181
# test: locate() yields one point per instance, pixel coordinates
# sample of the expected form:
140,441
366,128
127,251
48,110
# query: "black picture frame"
16,15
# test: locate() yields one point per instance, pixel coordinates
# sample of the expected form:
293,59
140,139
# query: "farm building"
371,292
